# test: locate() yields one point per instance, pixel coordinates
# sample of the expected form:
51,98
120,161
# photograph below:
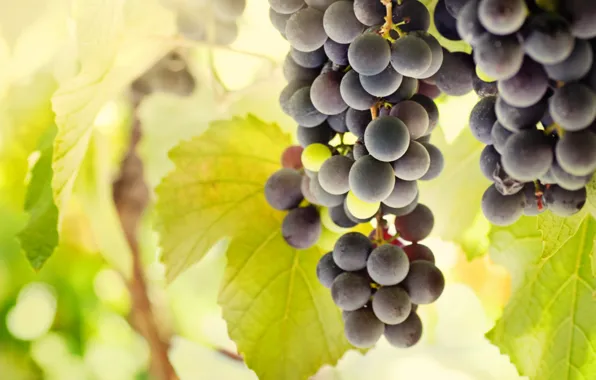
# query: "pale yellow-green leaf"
548,327
283,321
117,41
556,230
216,189
455,195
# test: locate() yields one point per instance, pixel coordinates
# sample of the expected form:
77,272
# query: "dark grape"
456,75
282,189
288,91
582,14
455,6
431,109
500,57
321,5
359,150
417,225
573,106
286,6
338,122
371,180
517,118
469,27
279,20
489,159
354,94
407,89
414,13
357,121
351,251
350,291
369,54
526,87
400,211
392,305
437,162
564,202
499,136
566,180
302,109
387,138
414,116
327,270
502,17
483,118
405,334
312,60
333,175
321,134
445,23
340,218
484,89
304,30
369,12
576,152
417,252
382,84
403,194
325,94
411,56
436,50
414,164
429,90
502,210
324,198
305,188
341,23
527,155
424,282
336,52
363,329
387,265
294,72
547,38
574,67
301,227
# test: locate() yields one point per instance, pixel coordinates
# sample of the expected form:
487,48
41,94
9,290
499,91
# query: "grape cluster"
538,119
170,75
362,75
379,283
214,21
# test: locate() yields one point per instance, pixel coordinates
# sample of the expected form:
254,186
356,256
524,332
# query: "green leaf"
548,327
117,41
283,321
216,189
455,195
556,230
39,238
281,318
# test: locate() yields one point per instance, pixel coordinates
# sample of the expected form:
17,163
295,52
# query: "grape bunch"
362,78
213,21
538,121
170,75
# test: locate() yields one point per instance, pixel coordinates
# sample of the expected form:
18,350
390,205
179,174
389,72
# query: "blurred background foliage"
70,320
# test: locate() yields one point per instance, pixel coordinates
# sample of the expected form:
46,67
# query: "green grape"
361,209
314,156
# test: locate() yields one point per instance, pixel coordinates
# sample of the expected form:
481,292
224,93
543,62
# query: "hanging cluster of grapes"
213,21
538,121
362,75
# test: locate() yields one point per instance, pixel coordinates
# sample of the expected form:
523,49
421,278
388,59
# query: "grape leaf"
281,318
270,295
117,41
591,200
216,189
557,230
39,238
455,195
547,328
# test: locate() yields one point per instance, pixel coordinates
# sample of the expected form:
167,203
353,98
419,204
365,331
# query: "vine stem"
388,26
131,196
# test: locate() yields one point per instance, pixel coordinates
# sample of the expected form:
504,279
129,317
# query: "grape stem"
380,226
554,127
388,25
